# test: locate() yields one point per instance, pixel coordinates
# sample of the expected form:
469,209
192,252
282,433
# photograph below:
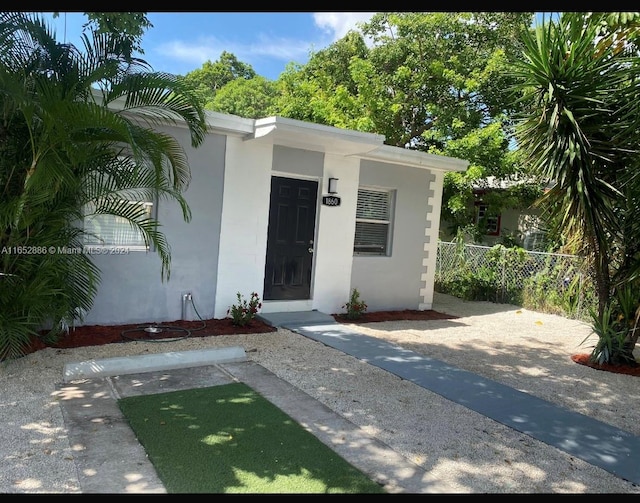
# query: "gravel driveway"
460,450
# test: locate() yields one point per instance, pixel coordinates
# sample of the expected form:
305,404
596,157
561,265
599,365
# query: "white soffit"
216,122
310,136
415,158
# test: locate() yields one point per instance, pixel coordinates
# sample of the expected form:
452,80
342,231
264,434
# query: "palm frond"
68,146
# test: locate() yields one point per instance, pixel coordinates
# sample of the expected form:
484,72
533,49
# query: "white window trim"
533,239
389,223
493,223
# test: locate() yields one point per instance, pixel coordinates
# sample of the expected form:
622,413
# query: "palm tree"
581,132
78,131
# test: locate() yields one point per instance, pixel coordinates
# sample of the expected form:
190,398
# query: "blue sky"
180,42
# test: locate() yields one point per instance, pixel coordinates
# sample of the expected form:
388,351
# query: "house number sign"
331,200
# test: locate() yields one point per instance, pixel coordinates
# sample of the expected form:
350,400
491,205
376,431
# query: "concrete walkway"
593,441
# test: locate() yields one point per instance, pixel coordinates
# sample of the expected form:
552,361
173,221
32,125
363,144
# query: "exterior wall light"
333,185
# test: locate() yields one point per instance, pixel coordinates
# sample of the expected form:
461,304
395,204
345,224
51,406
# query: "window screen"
373,222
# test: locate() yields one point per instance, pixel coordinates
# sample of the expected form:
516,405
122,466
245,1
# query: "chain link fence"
546,282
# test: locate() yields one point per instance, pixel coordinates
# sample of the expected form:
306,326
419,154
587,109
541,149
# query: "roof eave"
310,136
415,158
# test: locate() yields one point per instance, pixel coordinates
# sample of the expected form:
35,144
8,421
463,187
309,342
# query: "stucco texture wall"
131,290
396,281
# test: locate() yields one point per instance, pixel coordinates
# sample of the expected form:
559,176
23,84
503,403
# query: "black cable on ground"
150,330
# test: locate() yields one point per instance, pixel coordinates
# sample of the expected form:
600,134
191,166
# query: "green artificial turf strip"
230,439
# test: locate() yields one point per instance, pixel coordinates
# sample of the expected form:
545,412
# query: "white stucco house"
297,212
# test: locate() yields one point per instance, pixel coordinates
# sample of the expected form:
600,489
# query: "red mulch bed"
627,368
406,314
95,335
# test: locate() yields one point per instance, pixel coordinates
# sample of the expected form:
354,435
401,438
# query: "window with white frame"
373,222
534,240
107,230
102,230
493,223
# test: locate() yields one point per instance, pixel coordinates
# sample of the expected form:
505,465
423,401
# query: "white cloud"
263,48
282,48
210,48
196,53
337,24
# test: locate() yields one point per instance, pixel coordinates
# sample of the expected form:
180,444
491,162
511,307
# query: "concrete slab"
146,363
107,454
296,317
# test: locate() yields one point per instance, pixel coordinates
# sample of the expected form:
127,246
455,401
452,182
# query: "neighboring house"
524,223
297,212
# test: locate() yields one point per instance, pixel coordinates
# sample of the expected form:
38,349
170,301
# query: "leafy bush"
512,275
355,307
245,310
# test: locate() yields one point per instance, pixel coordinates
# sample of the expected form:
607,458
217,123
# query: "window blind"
373,213
112,230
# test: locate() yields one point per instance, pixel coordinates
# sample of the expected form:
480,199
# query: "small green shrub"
245,310
355,307
468,285
610,347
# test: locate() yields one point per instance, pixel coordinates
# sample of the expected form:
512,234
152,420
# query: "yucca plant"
581,134
611,337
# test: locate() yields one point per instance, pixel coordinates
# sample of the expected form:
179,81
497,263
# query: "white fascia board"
415,158
216,122
228,124
318,137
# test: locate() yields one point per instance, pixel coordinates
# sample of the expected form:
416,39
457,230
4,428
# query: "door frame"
271,306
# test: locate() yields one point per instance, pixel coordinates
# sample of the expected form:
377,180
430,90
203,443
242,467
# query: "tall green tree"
252,98
579,76
324,91
129,26
430,81
69,141
212,76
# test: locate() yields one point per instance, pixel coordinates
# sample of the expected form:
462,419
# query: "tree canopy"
253,98
430,81
129,26
213,76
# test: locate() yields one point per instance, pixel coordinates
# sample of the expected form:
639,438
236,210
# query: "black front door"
292,218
